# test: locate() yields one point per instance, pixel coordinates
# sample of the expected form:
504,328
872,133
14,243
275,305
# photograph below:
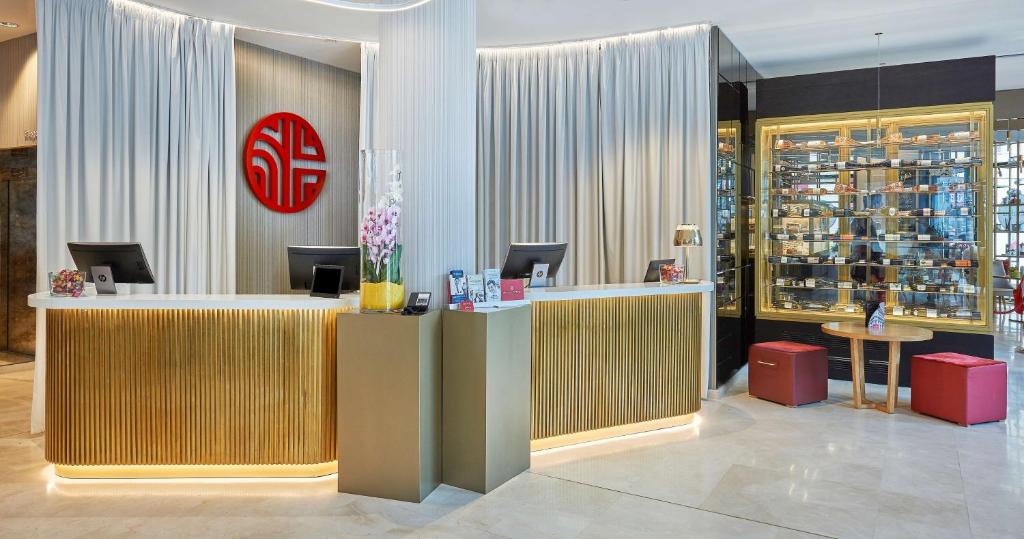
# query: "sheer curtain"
605,144
136,143
538,164
369,54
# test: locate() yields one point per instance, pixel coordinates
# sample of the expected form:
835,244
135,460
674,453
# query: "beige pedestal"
486,397
389,405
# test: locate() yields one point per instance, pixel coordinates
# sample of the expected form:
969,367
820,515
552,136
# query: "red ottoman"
788,373
958,388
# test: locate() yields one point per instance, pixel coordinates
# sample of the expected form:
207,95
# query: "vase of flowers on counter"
380,210
67,283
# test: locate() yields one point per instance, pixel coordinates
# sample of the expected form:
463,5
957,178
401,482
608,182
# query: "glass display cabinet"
881,206
728,216
1008,141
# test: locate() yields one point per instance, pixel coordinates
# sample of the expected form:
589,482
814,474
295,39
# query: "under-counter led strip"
692,422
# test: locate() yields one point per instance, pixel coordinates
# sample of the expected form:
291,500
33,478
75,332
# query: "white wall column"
427,111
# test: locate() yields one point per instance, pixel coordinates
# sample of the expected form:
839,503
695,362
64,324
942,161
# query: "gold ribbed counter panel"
191,387
612,366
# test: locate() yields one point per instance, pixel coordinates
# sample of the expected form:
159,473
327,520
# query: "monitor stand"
104,279
539,276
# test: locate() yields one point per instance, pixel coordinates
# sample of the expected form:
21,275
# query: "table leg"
892,394
857,368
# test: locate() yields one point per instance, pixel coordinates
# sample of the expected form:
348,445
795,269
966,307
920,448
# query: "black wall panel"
966,80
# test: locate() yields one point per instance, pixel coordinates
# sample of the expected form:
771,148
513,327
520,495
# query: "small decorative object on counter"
475,288
877,320
380,198
687,236
512,290
458,286
67,283
492,284
671,274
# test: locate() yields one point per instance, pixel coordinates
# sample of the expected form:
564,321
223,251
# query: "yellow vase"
384,296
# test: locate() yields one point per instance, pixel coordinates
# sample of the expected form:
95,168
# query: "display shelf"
728,216
890,205
850,144
1008,182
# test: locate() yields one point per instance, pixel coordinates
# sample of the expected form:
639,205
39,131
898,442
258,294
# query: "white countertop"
614,290
192,301
596,291
300,301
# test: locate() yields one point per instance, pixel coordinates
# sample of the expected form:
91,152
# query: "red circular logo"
284,162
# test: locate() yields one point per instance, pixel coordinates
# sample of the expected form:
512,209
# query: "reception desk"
153,385
245,386
610,360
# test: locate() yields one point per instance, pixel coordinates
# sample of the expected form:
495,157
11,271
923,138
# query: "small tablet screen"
327,281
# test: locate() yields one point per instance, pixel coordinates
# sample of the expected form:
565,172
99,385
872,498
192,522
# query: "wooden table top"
890,333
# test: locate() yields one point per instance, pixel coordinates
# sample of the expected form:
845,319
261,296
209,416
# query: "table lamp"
687,236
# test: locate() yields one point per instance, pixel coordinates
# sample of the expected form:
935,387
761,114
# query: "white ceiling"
779,37
343,54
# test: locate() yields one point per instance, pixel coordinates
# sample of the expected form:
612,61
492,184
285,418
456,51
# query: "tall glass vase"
380,212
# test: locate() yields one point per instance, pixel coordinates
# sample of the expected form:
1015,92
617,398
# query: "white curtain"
605,144
538,164
369,54
136,143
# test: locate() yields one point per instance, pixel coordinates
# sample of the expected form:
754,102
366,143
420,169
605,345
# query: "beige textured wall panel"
17,91
427,111
270,81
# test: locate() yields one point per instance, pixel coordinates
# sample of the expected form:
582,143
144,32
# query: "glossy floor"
747,469
13,358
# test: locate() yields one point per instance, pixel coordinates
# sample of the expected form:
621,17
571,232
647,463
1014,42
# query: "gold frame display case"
889,205
729,230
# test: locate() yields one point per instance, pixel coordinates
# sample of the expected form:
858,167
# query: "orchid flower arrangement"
382,253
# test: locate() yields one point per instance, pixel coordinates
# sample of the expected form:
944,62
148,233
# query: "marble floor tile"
788,499
932,478
901,516
681,472
746,468
995,511
15,403
13,358
640,517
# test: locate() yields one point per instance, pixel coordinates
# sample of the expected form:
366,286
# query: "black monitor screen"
301,260
127,261
521,257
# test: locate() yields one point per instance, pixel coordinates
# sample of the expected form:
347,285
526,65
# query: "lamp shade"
687,236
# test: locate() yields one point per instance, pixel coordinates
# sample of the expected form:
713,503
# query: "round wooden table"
894,334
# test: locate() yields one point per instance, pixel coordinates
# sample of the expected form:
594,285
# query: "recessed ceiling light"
8,24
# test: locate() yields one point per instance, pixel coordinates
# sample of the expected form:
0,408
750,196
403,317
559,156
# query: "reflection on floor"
12,358
748,469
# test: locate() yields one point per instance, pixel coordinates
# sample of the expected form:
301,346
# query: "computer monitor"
521,257
653,274
126,260
302,258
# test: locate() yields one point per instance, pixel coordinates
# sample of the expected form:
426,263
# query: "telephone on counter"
418,303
